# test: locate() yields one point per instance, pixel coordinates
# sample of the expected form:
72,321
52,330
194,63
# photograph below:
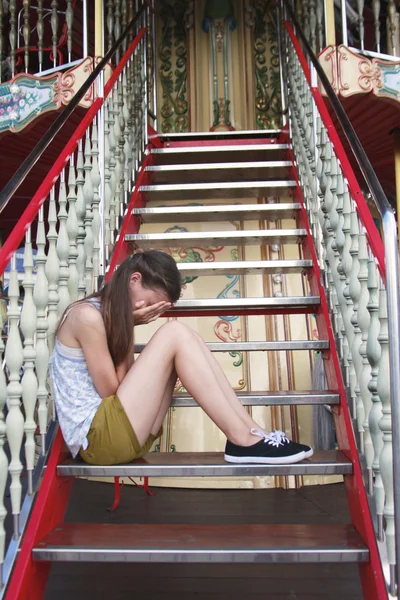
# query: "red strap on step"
119,485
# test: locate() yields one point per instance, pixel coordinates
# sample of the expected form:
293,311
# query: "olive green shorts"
111,437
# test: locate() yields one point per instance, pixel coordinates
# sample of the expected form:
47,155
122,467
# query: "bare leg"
225,385
165,404
143,389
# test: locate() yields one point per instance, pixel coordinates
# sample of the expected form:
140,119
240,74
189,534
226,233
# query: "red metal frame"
13,241
371,573
372,233
28,579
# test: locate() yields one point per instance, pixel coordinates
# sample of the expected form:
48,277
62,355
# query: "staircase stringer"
371,573
29,578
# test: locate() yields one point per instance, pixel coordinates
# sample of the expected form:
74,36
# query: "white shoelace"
275,438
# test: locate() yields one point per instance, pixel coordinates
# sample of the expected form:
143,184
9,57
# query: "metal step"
277,345
190,239
220,171
246,306
224,212
206,464
202,191
238,152
276,398
260,543
244,267
244,134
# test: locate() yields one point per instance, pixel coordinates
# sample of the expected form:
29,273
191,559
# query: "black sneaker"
308,451
272,449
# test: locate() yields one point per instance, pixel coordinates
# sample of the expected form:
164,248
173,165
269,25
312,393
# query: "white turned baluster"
13,34
385,424
363,319
80,213
3,456
110,24
360,9
131,122
26,32
95,177
118,194
121,144
63,248
107,181
320,24
72,229
54,29
338,246
376,9
41,299
374,354
15,420
112,163
29,381
52,271
355,290
40,33
127,148
69,17
346,266
88,196
391,24
124,21
117,26
313,24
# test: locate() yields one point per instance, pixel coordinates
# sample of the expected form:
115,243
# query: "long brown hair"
158,271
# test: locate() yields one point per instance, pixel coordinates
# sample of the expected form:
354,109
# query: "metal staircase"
303,168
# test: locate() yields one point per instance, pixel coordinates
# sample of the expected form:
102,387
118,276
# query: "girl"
110,408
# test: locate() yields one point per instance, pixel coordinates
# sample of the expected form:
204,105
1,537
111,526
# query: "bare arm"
88,328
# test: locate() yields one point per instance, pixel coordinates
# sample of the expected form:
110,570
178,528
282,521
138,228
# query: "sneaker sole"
309,453
265,460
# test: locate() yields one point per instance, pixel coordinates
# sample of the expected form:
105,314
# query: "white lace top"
75,395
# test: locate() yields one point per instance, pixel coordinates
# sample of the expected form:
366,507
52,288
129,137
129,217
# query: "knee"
175,331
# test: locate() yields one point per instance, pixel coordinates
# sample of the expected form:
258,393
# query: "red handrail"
372,233
13,241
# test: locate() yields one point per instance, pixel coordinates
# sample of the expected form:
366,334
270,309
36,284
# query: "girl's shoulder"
87,311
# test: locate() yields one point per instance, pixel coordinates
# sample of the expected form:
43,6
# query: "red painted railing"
372,233
16,236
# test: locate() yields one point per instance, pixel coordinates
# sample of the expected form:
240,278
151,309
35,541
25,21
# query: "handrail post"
154,74
146,90
345,40
283,97
98,28
393,309
329,12
85,30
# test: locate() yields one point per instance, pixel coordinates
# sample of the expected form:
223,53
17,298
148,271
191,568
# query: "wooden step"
271,543
245,306
277,345
219,171
253,151
207,464
220,212
244,267
202,191
274,398
191,239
